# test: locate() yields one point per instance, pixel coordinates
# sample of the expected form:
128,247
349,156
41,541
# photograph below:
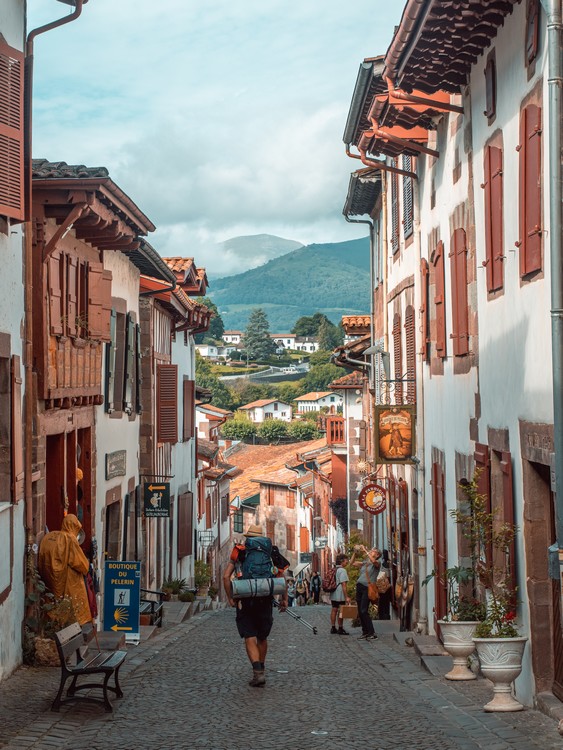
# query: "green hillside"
330,278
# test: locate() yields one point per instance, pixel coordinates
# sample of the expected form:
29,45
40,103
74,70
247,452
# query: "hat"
254,530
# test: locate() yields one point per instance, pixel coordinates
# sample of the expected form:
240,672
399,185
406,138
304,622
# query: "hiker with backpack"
261,564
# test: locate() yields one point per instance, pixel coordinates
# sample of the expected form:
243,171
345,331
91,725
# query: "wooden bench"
107,663
152,605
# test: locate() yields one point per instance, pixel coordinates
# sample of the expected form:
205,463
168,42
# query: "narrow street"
187,689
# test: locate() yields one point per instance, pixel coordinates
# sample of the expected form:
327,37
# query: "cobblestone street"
187,689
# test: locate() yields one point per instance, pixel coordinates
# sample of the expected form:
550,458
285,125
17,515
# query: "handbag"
373,592
383,583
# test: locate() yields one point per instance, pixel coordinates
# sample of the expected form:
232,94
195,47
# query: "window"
304,539
490,88
188,408
185,524
5,421
411,354
276,406
167,403
424,311
460,312
439,299
11,132
290,498
394,211
332,398
532,30
494,247
283,413
238,522
113,523
397,358
290,537
408,198
530,190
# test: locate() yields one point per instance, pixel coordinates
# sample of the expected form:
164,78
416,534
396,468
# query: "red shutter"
411,354
95,271
483,467
304,545
71,295
189,409
439,546
17,431
290,536
494,236
11,132
424,280
530,190
167,403
460,313
439,299
397,358
271,530
185,524
508,512
105,295
55,294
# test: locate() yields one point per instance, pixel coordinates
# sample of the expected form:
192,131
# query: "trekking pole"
298,617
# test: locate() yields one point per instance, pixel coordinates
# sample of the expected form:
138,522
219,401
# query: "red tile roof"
314,395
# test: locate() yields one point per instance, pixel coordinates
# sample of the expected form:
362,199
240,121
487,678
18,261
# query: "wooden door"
440,543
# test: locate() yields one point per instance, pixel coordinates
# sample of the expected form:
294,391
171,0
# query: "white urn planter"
501,663
457,638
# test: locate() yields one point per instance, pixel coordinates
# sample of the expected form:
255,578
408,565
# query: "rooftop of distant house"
315,395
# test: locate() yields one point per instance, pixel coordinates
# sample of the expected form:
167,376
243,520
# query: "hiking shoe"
363,637
341,631
371,637
333,631
258,678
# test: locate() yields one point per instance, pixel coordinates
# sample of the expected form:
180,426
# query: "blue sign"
122,597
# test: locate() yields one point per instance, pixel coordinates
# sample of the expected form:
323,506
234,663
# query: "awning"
299,569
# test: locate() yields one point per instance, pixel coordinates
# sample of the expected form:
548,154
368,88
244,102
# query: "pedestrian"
62,565
316,587
369,570
339,596
254,617
301,591
290,591
385,588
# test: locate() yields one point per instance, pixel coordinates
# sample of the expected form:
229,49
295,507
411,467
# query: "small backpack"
329,581
258,558
300,588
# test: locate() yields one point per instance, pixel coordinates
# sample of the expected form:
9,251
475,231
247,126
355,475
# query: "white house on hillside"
316,400
267,408
232,337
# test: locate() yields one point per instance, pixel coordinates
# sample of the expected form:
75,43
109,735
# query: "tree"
216,326
309,326
239,428
272,430
303,430
328,335
247,392
288,392
257,339
318,378
220,394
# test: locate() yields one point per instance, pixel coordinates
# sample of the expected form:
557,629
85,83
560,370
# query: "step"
437,665
428,645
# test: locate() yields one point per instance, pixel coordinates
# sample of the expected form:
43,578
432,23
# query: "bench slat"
104,660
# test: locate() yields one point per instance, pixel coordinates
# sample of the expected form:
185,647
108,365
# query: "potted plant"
499,645
173,587
463,614
202,577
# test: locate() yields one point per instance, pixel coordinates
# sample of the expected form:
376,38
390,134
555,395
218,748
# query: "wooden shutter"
532,30
508,513
111,353
271,530
139,371
439,299
424,328
408,198
490,87
130,365
188,409
460,313
304,545
494,235
167,403
105,291
362,439
55,294
290,536
394,211
11,132
95,271
72,328
289,497
530,190
185,524
440,543
17,431
397,358
483,467
410,354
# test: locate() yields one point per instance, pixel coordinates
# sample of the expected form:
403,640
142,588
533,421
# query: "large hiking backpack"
258,558
329,581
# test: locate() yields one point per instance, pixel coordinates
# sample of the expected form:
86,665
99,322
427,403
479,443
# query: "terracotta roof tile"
354,379
314,395
178,264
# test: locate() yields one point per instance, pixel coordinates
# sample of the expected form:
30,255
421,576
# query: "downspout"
165,290
28,260
555,83
375,164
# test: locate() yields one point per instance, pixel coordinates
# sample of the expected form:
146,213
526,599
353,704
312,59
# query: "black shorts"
335,605
255,618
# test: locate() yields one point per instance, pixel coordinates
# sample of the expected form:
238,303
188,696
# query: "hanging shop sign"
373,498
395,434
157,499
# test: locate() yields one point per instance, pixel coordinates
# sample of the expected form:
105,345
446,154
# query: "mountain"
249,252
329,278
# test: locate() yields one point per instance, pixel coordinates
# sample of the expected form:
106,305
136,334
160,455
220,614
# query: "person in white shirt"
339,596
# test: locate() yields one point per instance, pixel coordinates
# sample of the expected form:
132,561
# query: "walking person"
316,587
369,570
290,591
385,588
301,591
256,559
339,596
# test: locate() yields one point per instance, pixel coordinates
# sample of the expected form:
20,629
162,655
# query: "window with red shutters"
304,539
99,302
55,280
11,132
397,358
494,235
71,316
460,313
440,539
394,211
167,403
290,537
188,426
408,198
185,524
424,311
508,512
440,298
16,431
271,530
530,190
483,470
290,499
411,354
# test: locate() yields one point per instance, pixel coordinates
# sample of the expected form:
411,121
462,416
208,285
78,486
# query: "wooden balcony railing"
335,433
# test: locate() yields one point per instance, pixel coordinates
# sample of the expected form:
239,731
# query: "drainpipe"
28,259
375,164
420,99
555,82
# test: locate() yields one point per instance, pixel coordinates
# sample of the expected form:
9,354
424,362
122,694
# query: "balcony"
335,432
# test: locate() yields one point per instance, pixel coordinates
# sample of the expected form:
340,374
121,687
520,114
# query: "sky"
219,118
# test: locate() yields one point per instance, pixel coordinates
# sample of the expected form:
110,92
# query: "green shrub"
239,428
186,596
272,430
303,430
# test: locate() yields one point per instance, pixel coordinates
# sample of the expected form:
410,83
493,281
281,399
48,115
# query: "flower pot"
501,663
46,654
458,642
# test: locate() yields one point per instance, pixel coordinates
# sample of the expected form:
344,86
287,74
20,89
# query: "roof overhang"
149,262
369,83
364,190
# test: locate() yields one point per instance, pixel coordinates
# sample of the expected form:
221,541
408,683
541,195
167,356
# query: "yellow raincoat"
62,565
